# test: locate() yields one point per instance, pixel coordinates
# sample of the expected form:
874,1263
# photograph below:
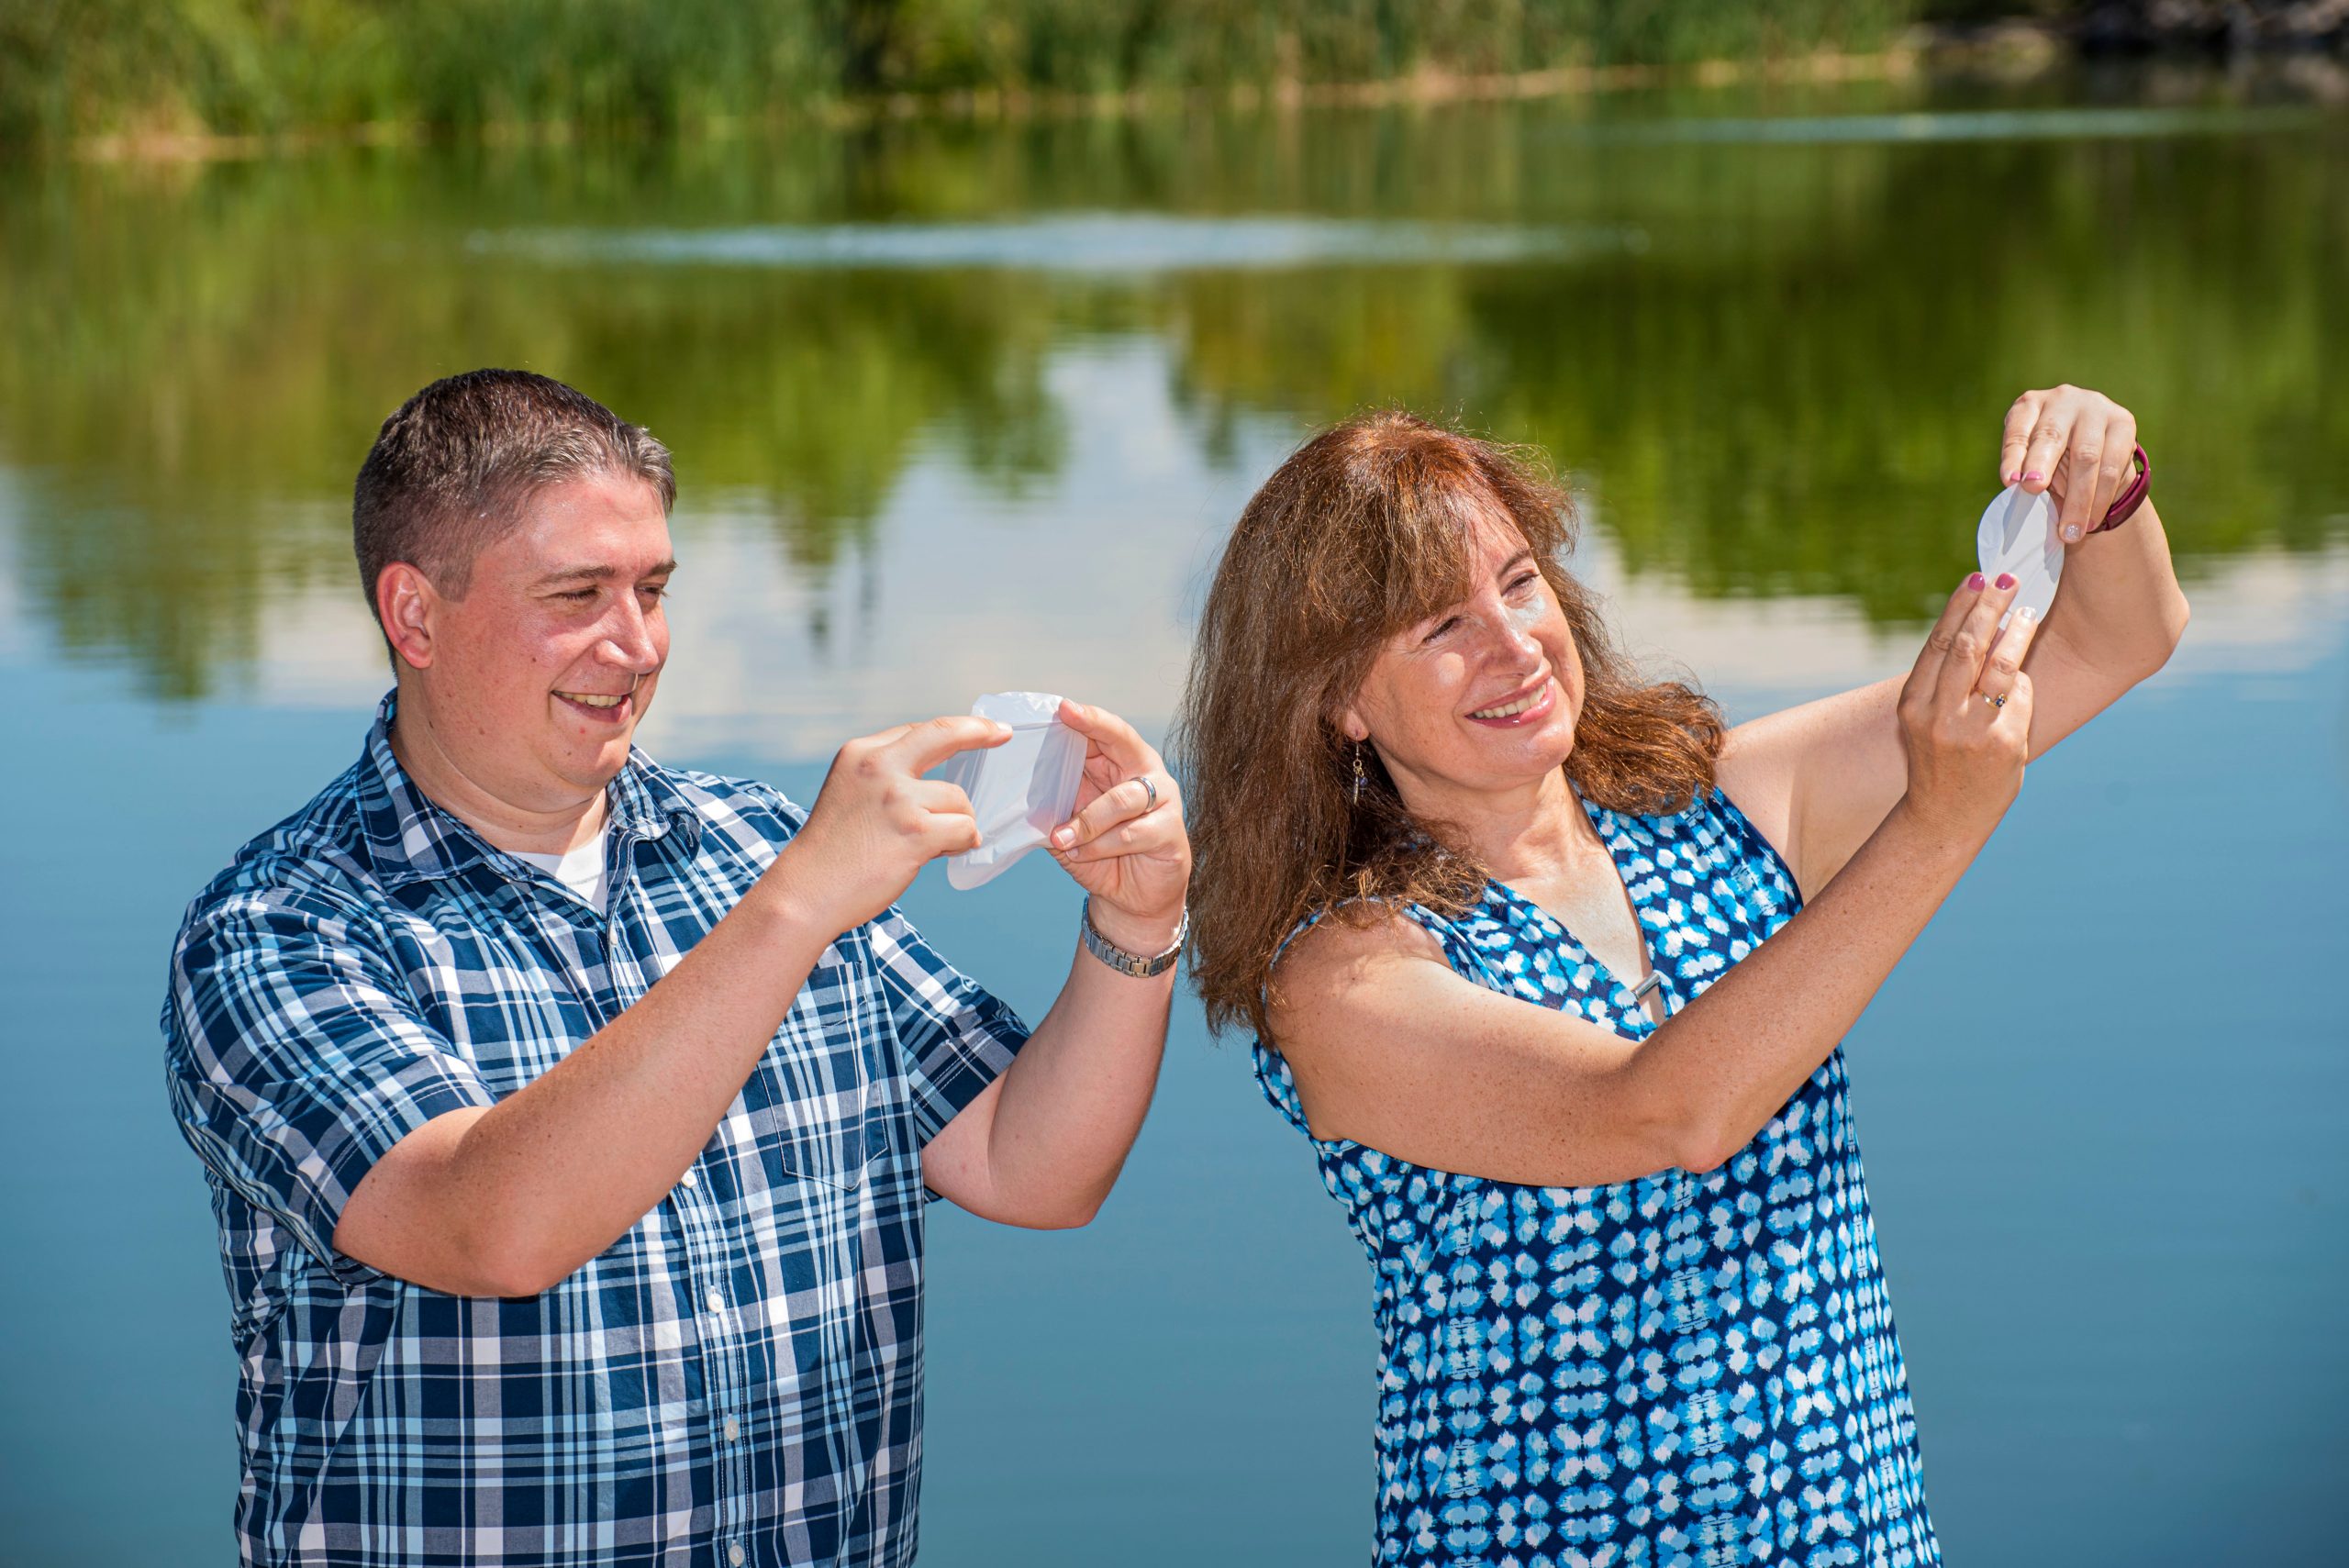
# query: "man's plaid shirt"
736,1380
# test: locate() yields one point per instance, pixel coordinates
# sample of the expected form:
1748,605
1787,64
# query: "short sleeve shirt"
736,1380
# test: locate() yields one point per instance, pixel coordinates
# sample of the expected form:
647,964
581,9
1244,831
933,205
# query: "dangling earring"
1357,800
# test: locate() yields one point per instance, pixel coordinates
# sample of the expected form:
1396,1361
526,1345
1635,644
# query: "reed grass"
74,70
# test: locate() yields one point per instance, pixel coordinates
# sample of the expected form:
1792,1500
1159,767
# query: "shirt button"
690,1180
733,1429
734,1554
715,1302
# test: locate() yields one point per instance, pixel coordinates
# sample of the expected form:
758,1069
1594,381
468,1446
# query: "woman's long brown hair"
1360,535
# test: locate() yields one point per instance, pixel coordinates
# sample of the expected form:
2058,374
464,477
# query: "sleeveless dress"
1680,1370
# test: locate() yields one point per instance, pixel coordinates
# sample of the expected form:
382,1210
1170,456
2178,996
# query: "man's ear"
409,605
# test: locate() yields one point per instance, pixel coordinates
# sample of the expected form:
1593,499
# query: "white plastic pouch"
1020,790
2018,535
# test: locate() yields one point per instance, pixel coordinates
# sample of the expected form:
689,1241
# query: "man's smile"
605,708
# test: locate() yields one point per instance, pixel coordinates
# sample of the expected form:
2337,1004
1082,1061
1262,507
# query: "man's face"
539,674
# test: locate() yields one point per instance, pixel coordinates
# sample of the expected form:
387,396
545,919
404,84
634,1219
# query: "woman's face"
1481,697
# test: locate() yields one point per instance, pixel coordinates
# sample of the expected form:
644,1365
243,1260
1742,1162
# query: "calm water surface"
959,409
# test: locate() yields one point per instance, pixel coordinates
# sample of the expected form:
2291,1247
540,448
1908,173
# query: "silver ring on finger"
1150,803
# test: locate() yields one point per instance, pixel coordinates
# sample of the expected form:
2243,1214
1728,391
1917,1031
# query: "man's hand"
877,821
1125,845
1043,1144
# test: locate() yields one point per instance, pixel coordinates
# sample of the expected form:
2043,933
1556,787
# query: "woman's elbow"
1704,1149
2165,629
1683,1137
2126,664
1708,1138
2174,622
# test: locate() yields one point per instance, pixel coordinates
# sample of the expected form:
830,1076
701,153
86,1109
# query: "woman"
1551,969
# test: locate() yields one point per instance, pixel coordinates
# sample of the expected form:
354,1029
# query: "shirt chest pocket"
809,1106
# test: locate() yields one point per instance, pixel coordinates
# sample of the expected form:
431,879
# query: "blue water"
1985,125
1099,244
2105,1103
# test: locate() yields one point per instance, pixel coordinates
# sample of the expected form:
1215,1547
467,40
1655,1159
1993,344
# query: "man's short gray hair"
449,471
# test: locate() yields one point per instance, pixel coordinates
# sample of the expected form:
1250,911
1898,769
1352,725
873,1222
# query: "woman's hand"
2078,443
1125,845
1966,713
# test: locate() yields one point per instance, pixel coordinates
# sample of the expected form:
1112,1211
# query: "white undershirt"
581,870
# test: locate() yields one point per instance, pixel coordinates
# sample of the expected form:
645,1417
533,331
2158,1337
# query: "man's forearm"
511,1199
1066,1113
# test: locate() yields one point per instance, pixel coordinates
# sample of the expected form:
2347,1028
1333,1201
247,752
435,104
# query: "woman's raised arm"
1818,778
1391,1049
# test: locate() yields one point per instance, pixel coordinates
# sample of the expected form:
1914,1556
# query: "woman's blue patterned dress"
1683,1369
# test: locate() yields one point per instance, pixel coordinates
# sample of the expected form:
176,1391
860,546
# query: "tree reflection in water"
1773,383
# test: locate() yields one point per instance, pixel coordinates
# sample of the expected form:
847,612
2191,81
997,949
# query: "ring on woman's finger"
1150,803
1995,699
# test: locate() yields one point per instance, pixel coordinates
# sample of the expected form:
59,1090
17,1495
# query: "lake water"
960,409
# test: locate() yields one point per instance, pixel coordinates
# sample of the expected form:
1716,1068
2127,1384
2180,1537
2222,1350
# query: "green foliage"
79,67
72,68
1792,385
1114,45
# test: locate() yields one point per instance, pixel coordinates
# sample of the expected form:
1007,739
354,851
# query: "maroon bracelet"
2126,506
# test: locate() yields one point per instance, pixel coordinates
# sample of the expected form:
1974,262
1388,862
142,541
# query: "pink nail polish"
2033,477
1975,582
2006,580
2011,478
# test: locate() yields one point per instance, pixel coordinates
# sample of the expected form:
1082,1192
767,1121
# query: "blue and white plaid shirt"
737,1379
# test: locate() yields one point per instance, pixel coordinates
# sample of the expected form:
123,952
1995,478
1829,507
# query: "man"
568,1118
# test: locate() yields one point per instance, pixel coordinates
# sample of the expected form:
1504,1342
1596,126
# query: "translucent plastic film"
2018,535
1020,791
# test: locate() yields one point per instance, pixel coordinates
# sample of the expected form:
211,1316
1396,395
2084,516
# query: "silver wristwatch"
1121,961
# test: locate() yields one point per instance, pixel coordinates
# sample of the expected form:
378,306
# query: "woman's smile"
1527,705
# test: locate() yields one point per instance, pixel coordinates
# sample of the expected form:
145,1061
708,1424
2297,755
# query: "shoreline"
2013,50
2032,47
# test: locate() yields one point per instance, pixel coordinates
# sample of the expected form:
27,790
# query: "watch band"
2125,505
1126,963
